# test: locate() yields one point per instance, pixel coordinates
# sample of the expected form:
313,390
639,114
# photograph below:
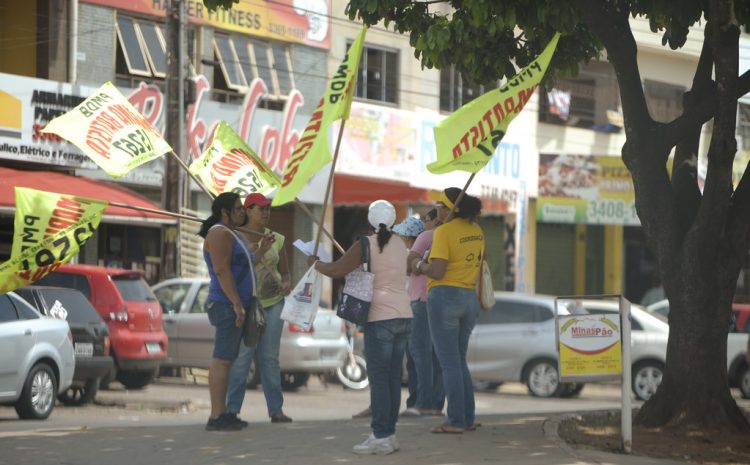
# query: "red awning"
348,190
60,183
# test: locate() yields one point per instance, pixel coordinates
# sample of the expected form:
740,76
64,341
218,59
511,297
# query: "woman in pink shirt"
388,323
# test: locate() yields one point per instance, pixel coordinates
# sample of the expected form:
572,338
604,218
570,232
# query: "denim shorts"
228,336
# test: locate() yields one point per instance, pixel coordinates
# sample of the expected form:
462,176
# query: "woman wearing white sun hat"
388,324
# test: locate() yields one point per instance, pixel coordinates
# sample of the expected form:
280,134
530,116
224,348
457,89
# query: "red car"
131,311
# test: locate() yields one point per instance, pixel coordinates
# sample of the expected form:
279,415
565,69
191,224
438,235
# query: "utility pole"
173,176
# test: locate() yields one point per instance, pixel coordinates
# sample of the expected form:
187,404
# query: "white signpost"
596,347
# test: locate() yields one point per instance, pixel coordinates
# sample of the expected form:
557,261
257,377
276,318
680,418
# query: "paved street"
164,424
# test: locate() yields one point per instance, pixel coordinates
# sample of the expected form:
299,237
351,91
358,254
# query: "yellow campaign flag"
110,131
466,140
312,151
49,230
229,165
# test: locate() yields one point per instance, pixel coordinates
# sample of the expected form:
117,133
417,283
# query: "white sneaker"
394,442
373,445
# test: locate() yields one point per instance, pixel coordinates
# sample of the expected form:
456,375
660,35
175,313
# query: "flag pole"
307,211
461,195
187,170
328,187
159,212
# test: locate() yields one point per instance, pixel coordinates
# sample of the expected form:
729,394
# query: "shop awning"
60,183
352,190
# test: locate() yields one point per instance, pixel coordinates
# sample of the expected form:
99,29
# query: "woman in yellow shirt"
452,270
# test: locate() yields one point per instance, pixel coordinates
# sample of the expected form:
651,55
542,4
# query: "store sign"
589,346
378,142
585,189
29,104
298,21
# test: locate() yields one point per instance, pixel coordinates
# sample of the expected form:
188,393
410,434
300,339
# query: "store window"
240,60
664,100
589,100
34,39
456,90
142,47
378,75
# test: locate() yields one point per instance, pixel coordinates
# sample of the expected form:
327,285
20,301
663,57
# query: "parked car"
131,312
514,341
649,337
36,358
321,350
739,323
90,337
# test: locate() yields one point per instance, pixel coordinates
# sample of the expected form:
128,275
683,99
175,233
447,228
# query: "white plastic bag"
301,305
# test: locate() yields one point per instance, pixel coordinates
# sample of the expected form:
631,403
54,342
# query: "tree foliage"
700,236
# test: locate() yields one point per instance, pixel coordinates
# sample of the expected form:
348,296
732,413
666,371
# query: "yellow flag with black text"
466,140
49,230
110,131
312,151
229,165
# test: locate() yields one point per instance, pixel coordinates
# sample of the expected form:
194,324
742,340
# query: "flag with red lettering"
110,131
229,165
313,149
466,140
49,230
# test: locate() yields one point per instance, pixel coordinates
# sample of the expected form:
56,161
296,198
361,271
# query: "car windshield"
133,289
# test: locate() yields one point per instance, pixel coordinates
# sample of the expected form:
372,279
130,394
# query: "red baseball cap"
256,199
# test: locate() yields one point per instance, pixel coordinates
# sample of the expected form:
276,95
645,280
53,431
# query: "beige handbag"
485,292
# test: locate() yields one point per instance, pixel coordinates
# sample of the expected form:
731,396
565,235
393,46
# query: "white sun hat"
381,212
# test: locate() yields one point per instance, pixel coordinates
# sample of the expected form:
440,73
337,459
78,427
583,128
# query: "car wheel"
291,381
571,389
132,379
80,395
646,378
38,395
353,372
542,378
744,383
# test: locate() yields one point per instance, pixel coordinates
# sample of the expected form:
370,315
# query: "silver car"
37,360
514,341
191,335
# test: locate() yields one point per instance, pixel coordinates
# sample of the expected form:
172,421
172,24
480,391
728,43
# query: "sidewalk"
503,439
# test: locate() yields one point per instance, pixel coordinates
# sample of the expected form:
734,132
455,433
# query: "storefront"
384,154
589,239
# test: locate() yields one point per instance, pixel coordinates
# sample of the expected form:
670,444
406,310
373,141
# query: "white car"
514,341
191,336
37,359
737,367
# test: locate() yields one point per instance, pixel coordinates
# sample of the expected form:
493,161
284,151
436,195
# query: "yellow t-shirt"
461,243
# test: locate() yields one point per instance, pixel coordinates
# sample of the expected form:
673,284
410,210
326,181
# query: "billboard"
585,189
298,21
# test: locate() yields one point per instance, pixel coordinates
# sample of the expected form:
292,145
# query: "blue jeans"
453,313
411,371
268,364
385,345
429,378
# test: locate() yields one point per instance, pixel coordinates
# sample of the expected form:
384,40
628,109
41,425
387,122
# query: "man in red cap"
274,282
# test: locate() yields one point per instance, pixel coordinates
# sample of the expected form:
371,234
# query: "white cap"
381,212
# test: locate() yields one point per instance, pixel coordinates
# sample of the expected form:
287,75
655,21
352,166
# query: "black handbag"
255,324
357,295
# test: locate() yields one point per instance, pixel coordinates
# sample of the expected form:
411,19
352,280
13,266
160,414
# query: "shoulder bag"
485,291
255,316
357,296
